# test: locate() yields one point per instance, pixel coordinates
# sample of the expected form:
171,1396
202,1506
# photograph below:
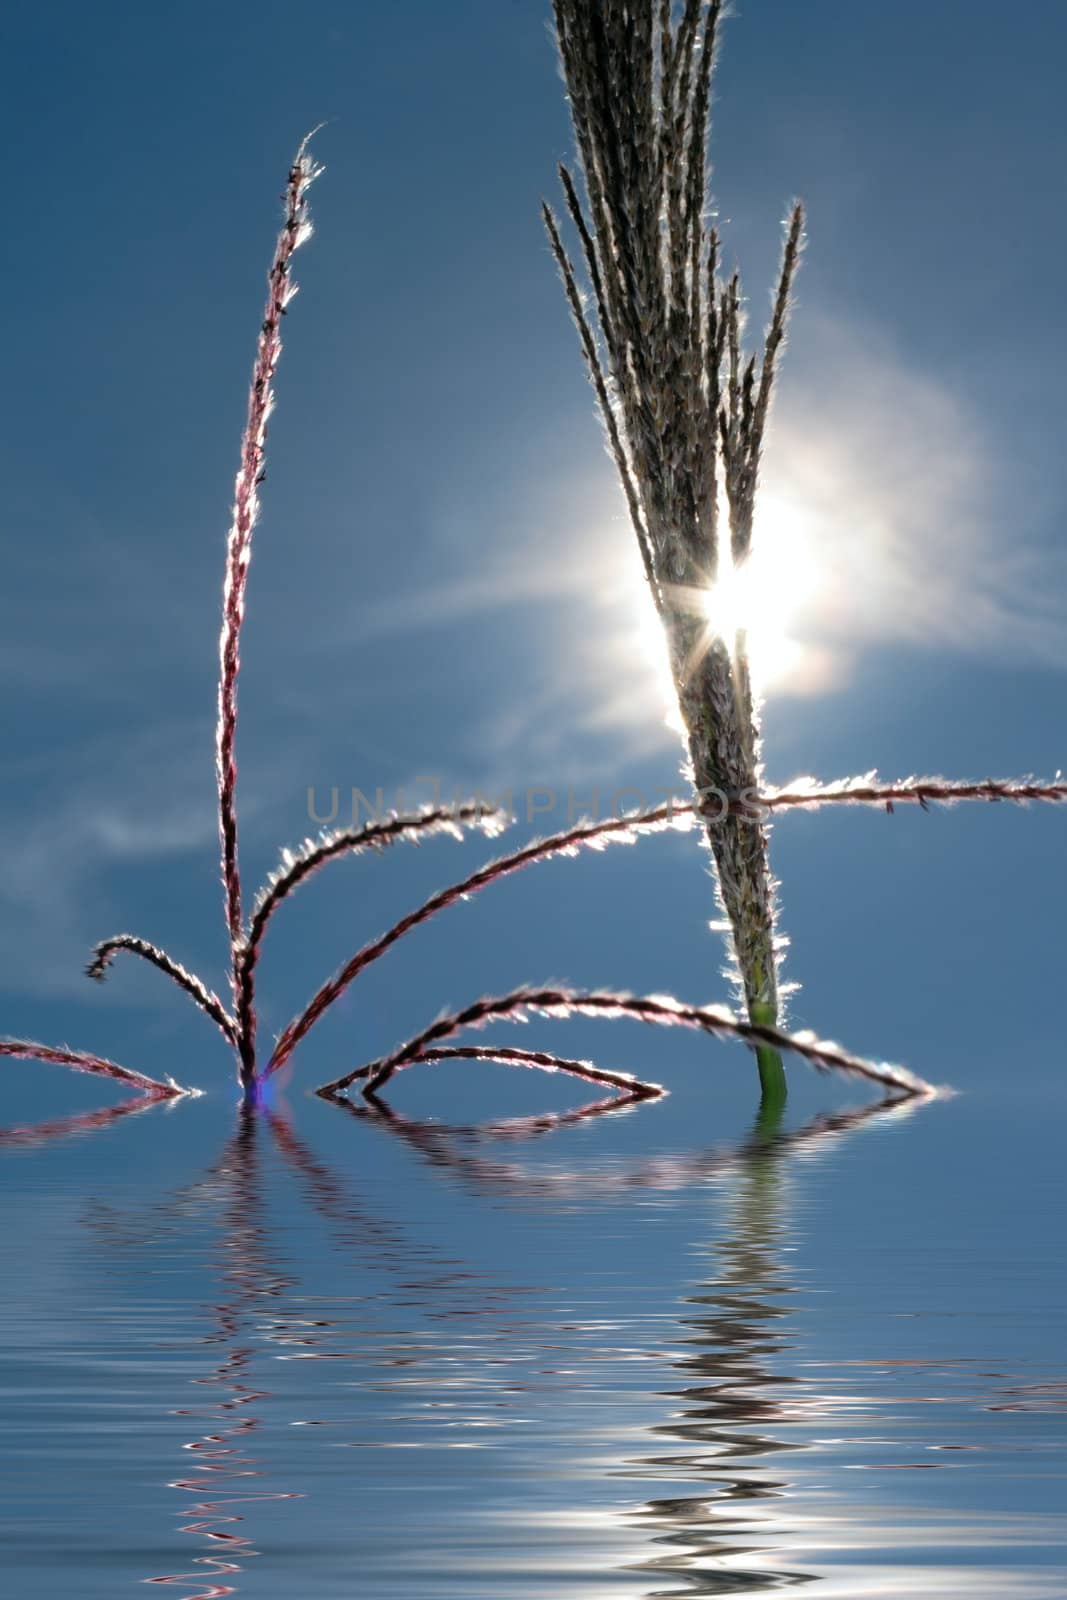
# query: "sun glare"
766,596
768,599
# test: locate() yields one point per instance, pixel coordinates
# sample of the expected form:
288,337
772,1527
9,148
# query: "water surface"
305,1352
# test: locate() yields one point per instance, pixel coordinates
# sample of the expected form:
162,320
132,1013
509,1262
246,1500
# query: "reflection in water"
40,1133
223,1469
256,1310
735,1398
722,1456
458,1148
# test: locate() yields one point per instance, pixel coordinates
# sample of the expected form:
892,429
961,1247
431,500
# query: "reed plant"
714,693
685,411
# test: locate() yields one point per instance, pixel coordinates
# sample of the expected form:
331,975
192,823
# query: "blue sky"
444,582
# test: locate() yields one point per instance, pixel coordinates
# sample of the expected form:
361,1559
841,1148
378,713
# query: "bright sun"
765,597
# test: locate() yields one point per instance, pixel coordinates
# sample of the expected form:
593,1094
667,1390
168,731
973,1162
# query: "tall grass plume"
685,410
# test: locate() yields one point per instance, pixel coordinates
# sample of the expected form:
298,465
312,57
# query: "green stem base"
774,1088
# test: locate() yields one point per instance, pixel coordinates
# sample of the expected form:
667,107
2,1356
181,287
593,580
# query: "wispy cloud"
917,526
115,801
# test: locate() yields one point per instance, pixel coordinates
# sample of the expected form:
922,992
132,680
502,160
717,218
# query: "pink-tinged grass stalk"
296,866
99,1066
207,1000
627,1086
280,290
673,814
246,939
660,1010
809,794
589,835
314,854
